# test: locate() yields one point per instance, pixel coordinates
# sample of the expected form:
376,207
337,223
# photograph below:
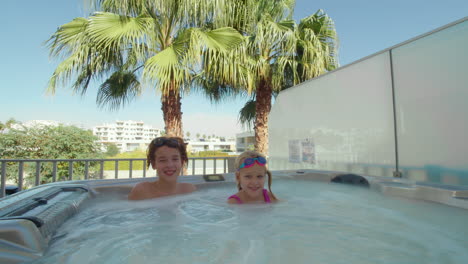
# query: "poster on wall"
302,150
294,151
308,151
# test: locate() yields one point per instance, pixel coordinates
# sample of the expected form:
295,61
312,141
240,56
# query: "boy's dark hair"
172,142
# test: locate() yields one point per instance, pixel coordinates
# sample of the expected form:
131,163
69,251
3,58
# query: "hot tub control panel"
213,177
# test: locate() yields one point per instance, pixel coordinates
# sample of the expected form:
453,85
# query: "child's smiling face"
167,163
251,180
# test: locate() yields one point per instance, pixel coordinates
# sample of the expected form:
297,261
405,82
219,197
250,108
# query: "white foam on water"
313,223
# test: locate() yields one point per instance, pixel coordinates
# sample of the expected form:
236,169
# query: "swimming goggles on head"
167,141
249,162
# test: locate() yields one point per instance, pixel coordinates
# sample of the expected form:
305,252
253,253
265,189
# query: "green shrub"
125,165
48,142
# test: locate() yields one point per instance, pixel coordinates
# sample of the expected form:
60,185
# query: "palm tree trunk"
171,107
262,108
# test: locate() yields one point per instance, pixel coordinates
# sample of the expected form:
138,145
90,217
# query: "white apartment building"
211,145
126,135
245,141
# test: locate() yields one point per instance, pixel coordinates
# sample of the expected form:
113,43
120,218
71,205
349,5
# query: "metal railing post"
70,170
3,183
193,166
86,170
204,166
38,170
225,164
101,170
214,165
130,168
54,171
20,175
116,169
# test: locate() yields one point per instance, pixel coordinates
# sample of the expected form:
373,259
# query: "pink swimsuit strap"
265,196
235,197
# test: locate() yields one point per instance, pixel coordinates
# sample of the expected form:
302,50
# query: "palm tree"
277,54
129,43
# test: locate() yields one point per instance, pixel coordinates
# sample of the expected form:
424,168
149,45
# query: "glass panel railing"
344,120
431,91
341,121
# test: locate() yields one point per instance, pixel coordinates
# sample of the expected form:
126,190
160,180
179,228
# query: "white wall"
344,120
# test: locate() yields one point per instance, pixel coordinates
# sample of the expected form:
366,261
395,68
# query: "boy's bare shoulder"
138,191
142,186
187,187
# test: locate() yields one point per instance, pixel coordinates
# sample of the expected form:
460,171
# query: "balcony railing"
33,172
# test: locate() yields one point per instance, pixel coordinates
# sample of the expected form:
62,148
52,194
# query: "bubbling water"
314,222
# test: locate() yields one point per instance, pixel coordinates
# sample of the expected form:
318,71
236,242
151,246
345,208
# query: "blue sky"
364,27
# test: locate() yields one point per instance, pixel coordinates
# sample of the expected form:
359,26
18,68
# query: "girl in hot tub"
250,176
167,155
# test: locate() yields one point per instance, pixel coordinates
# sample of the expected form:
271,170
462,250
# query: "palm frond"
68,37
220,39
214,91
117,91
318,44
166,68
247,114
280,9
112,32
66,70
233,68
188,12
127,7
82,81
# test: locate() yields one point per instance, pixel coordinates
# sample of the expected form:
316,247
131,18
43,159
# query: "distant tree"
209,137
198,135
188,134
10,122
48,142
204,136
111,150
163,133
2,126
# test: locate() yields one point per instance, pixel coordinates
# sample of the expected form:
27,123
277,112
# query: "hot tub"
316,221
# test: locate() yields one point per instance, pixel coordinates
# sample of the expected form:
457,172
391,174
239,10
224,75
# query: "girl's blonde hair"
252,154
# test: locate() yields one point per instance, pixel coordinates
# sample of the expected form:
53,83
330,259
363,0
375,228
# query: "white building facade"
211,145
245,141
126,135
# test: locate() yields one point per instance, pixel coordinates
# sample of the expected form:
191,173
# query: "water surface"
314,223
